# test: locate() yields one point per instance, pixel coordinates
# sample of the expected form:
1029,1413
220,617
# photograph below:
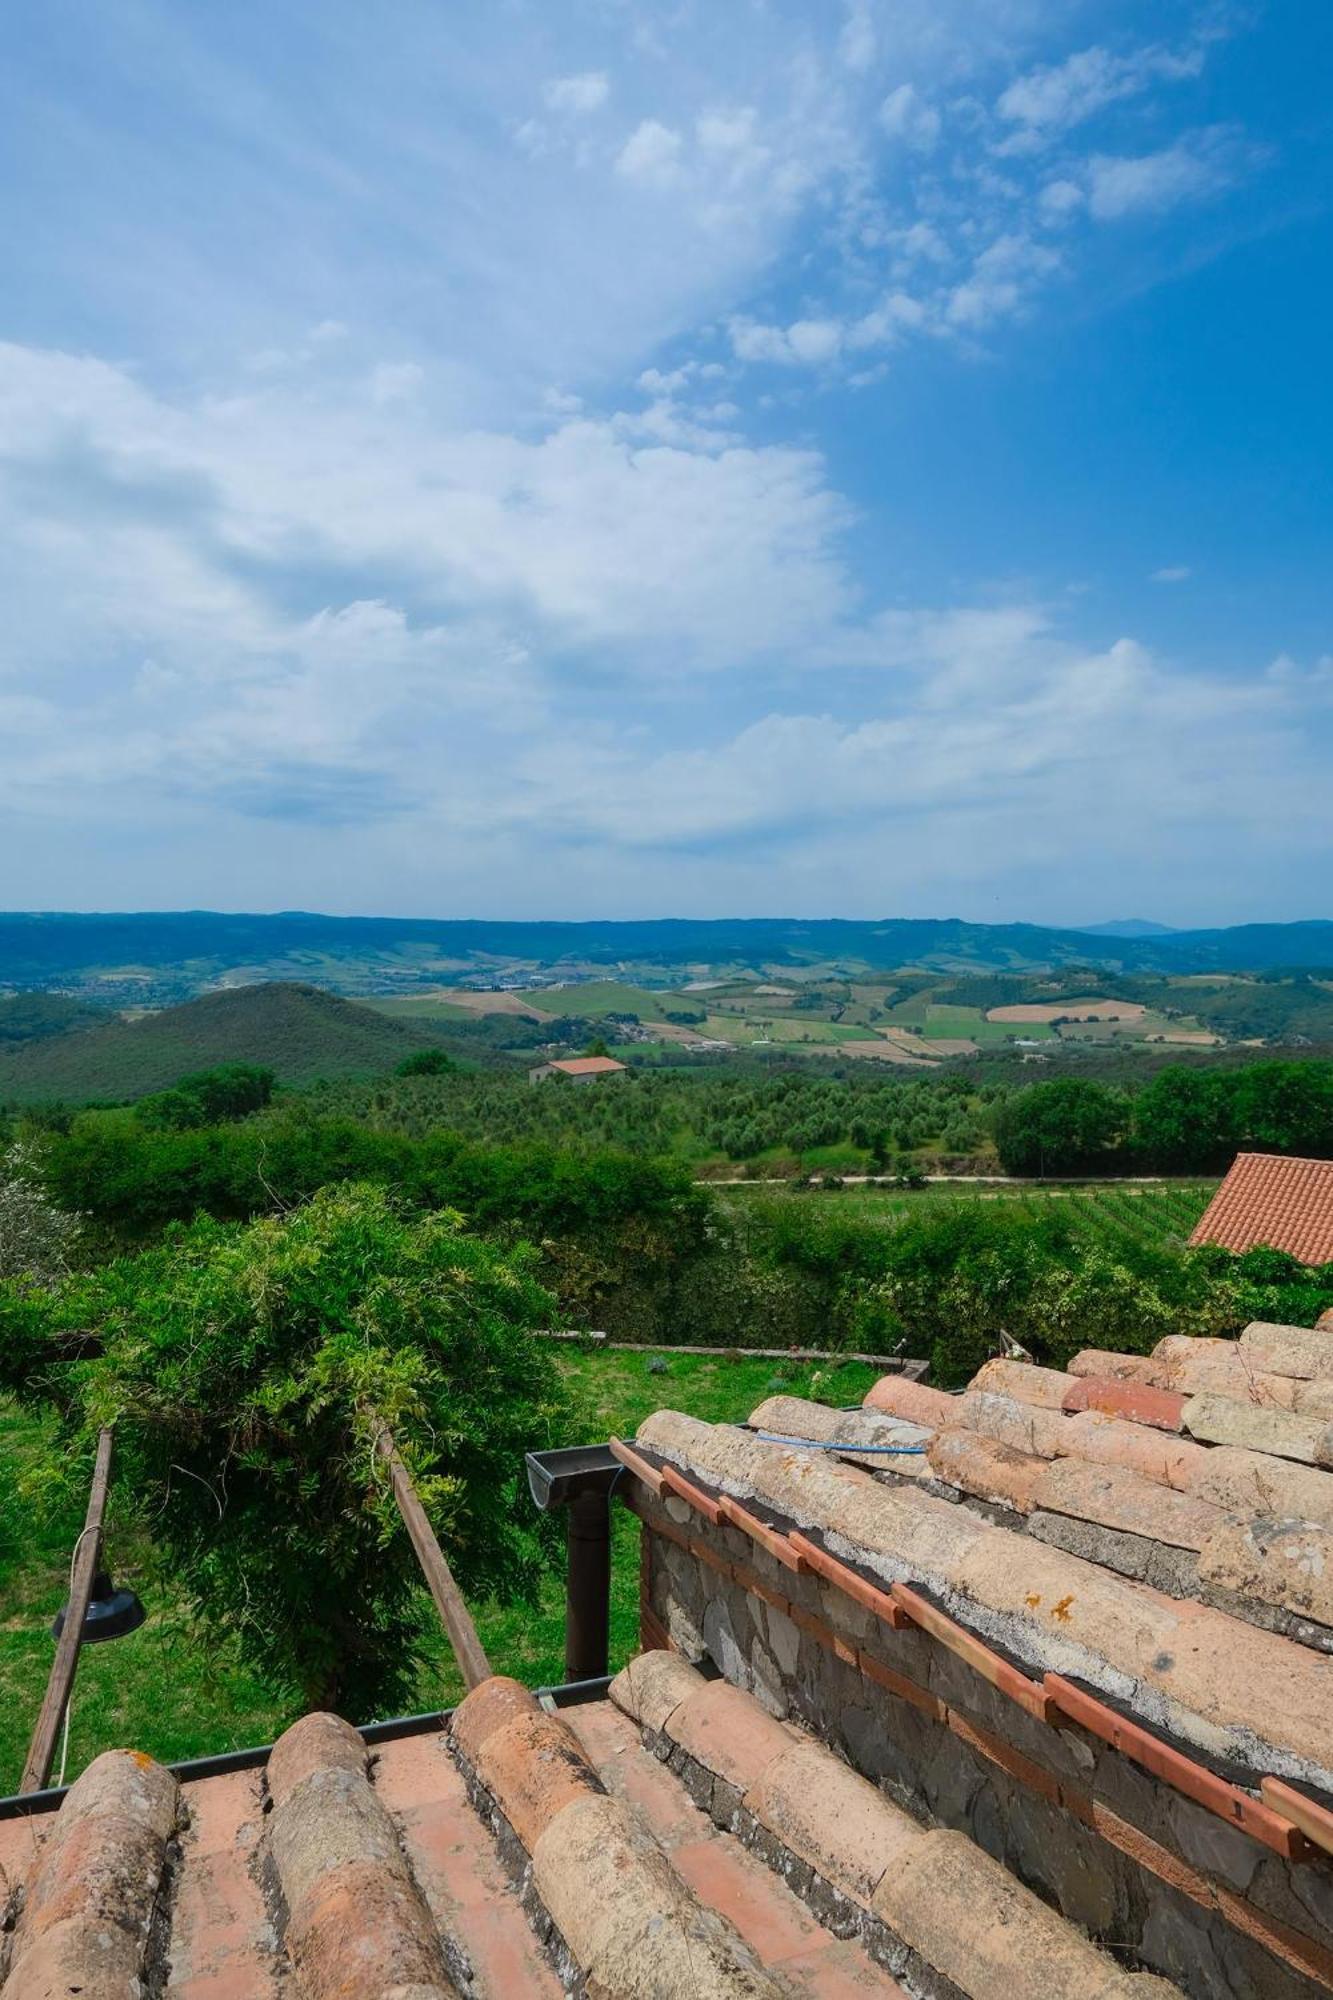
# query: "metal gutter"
567,1694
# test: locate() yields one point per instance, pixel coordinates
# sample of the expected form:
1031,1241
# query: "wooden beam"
87,1560
454,1614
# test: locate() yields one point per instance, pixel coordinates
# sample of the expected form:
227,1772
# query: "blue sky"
612,458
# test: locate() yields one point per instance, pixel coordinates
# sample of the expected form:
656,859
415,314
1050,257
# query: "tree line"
1182,1121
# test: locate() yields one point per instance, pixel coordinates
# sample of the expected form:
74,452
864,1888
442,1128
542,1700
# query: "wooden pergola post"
87,1561
454,1614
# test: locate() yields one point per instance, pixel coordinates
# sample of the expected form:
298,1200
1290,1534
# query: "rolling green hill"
297,1031
33,1017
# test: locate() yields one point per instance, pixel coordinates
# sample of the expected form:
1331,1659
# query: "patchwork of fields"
913,1017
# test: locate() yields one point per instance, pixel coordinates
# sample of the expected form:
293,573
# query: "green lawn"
173,1691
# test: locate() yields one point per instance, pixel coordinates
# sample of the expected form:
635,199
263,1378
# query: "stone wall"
1145,1870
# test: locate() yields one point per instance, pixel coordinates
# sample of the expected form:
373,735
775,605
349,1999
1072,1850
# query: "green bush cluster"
132,1179
248,1369
956,1282
208,1097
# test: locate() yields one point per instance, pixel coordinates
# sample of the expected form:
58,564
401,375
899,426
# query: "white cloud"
726,131
806,342
857,44
1173,573
922,242
656,383
396,381
995,737
1060,199
1000,280
908,117
587,91
1195,167
814,339
1055,97
751,340
896,313
650,154
489,627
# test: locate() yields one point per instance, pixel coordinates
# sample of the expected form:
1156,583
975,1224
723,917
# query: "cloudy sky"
640,457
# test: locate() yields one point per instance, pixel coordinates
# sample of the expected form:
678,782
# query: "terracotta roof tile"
586,1065
1046,1388
92,1891
387,1879
355,1916
941,1895
1284,1203
1303,1353
1220,1678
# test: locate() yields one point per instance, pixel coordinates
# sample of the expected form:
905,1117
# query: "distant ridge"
1130,927
161,956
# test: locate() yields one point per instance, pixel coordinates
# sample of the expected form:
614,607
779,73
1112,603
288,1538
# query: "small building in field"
1280,1203
579,1069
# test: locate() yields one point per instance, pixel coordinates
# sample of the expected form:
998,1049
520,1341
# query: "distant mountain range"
154,957
1130,927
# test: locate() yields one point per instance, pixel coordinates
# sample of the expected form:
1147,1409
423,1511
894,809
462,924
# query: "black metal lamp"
111,1613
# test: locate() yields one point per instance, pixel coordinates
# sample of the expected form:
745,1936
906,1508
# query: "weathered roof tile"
1303,1351
1280,1433
356,1920
91,1893
1026,1383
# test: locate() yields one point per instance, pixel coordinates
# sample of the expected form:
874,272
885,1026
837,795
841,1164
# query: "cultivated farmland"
1110,1216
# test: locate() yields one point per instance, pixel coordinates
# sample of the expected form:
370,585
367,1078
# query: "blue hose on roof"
833,1444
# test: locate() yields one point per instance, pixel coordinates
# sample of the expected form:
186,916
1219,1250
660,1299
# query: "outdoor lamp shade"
111,1613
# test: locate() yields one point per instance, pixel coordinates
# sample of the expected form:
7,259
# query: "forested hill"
297,1031
191,949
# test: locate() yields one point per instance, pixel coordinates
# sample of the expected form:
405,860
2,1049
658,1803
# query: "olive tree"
37,1238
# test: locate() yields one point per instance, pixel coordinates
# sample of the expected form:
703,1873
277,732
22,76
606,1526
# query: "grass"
174,1692
1152,1215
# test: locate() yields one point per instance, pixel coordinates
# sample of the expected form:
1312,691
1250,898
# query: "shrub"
37,1239
208,1097
247,1370
426,1062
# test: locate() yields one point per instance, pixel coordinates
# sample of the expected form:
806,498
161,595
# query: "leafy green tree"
1183,1119
1069,1125
209,1097
247,1370
1284,1106
426,1062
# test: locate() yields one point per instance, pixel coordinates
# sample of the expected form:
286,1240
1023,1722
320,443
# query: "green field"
1107,1215
174,1691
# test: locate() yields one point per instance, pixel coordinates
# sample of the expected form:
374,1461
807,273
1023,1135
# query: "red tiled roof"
1284,1204
520,1855
586,1065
